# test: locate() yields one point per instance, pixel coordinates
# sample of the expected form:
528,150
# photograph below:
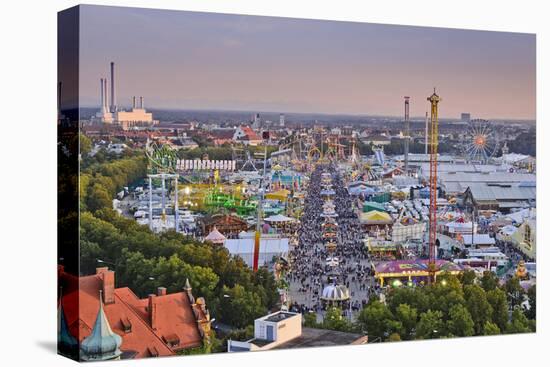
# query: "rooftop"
322,338
279,316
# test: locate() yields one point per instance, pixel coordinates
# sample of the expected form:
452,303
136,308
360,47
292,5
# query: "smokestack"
101,104
105,95
141,102
113,96
133,102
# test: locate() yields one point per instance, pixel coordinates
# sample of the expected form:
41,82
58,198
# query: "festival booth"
375,220
281,222
408,228
226,224
383,250
215,236
412,271
369,206
280,195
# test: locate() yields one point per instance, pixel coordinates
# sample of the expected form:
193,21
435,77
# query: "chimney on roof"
108,284
141,103
152,309
133,102
161,291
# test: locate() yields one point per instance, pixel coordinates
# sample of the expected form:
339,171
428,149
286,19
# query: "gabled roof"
249,133
222,133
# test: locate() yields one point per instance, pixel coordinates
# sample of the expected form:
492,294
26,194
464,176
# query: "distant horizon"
223,62
219,110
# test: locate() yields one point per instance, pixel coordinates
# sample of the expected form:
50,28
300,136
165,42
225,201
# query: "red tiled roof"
249,133
222,133
174,315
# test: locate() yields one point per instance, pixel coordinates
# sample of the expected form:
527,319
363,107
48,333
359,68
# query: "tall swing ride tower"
434,139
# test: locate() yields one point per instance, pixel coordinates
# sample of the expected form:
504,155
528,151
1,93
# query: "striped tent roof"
333,292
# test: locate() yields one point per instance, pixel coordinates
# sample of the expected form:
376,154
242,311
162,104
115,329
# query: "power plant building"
109,113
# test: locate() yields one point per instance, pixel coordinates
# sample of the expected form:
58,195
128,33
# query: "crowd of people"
310,271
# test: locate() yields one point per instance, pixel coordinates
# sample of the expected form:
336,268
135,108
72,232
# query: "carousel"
328,210
330,246
335,295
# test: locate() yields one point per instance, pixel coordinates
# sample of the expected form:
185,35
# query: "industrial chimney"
141,103
113,95
105,95
102,102
133,102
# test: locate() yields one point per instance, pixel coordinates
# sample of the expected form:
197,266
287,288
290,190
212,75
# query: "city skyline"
212,61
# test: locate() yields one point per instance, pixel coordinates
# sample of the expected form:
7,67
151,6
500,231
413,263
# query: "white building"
136,118
269,332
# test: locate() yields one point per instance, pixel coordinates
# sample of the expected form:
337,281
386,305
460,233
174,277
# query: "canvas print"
234,183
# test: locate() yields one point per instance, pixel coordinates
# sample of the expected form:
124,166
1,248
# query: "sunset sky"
185,60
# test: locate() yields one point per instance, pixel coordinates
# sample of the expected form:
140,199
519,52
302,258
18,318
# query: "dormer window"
172,340
126,325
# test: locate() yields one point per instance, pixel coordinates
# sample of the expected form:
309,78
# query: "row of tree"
452,307
100,182
525,143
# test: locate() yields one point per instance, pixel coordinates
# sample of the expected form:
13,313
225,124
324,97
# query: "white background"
28,180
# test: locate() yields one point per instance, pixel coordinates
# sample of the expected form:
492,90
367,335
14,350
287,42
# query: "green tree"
478,306
489,281
468,277
460,322
334,320
240,307
531,312
408,318
490,329
310,320
376,319
514,292
524,143
85,145
98,198
414,297
499,304
519,323
430,325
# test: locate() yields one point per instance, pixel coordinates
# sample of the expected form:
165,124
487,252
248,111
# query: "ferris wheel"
480,141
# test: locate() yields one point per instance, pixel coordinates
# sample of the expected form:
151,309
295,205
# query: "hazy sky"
188,60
